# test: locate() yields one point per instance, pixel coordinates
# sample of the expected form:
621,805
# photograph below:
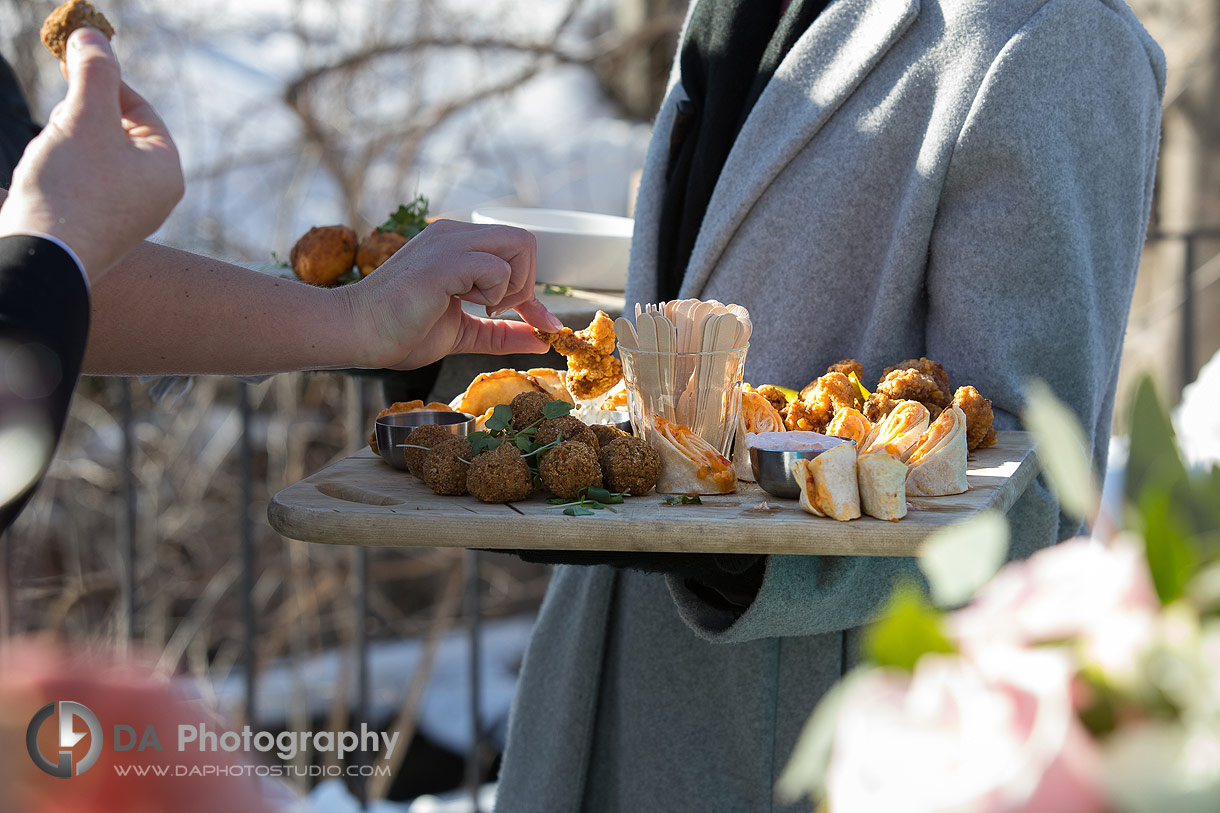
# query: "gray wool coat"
968,180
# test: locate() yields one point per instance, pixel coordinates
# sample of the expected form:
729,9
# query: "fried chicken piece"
847,367
773,394
878,406
376,249
909,384
323,254
819,402
72,15
979,430
927,367
592,368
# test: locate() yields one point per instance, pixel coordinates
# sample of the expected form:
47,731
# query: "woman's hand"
408,312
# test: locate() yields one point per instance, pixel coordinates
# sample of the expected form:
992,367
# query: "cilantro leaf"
500,418
408,220
555,409
577,511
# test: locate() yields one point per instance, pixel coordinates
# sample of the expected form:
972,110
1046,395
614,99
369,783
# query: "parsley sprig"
408,220
499,429
592,498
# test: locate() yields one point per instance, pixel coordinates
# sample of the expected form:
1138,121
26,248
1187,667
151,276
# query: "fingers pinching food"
72,15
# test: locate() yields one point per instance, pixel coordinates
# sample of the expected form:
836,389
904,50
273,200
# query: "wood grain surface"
362,501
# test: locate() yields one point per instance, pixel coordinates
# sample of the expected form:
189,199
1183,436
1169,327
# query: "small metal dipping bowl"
611,417
773,468
392,431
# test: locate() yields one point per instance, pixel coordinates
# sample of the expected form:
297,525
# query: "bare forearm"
164,311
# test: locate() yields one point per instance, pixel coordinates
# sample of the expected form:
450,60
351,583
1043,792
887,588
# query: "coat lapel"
823,68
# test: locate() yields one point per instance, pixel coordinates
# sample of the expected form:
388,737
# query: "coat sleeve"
1031,268
44,322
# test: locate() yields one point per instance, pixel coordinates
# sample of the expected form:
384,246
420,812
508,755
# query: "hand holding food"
409,313
105,144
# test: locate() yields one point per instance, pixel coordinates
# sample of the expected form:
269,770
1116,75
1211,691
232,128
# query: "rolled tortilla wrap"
850,423
900,430
828,483
883,490
756,415
689,464
938,462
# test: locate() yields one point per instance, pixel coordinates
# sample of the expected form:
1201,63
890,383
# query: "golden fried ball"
376,249
427,436
570,426
569,468
606,433
527,408
323,254
500,475
445,466
72,15
630,465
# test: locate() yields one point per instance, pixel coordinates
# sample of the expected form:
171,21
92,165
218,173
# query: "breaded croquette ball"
527,408
630,465
500,475
426,436
376,249
445,466
571,427
72,15
323,254
569,468
606,433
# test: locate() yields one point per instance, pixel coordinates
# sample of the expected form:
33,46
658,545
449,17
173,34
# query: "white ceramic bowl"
580,249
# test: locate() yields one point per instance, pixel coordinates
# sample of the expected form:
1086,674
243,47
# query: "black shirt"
731,51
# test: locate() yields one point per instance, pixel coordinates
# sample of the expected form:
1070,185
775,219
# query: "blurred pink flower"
987,736
1102,595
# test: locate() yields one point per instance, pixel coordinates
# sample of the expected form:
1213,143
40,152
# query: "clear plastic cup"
699,390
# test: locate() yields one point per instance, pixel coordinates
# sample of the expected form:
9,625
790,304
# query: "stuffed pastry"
850,423
898,433
938,462
756,415
828,483
883,491
689,464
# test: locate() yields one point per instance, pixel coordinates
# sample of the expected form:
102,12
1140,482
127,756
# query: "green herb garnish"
684,499
409,220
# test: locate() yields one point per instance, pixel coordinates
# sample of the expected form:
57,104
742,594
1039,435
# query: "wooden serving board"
362,501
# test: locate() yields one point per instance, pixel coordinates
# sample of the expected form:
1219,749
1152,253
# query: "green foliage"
592,498
684,499
1176,511
909,629
555,409
408,220
961,558
501,418
1062,451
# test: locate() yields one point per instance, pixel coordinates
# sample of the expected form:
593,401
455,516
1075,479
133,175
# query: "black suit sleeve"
17,127
44,322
